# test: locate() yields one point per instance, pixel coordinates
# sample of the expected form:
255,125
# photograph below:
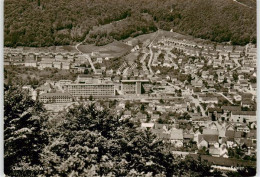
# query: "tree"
198,109
142,107
127,105
179,93
244,120
90,141
194,167
90,98
161,101
225,80
24,132
86,71
94,141
252,79
215,76
189,78
81,98
235,76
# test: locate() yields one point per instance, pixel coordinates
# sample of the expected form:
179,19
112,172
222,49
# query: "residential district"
199,97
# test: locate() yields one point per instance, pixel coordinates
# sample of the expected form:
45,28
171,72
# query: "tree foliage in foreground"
24,132
93,142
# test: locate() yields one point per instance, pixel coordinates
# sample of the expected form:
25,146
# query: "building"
242,116
62,83
31,63
58,57
55,98
176,137
91,89
7,62
99,60
57,64
65,65
132,86
45,64
207,100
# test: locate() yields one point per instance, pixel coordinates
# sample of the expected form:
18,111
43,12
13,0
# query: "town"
195,95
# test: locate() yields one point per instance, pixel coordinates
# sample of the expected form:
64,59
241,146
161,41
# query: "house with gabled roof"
230,127
208,131
237,137
127,114
176,137
187,137
45,64
207,141
140,116
147,125
228,48
215,152
196,135
241,116
164,127
243,128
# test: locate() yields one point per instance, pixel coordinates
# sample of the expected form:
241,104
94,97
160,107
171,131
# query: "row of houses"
215,138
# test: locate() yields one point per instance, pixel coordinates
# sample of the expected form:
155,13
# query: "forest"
38,23
86,141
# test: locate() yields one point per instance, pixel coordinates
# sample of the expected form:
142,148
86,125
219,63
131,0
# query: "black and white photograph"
139,88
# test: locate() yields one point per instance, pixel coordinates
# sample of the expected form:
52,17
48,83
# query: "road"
239,65
150,61
197,103
230,101
242,4
151,54
174,86
91,63
87,57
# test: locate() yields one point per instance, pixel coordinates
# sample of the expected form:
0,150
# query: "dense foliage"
24,132
97,143
62,22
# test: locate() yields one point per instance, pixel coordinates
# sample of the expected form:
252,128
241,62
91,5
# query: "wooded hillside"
63,22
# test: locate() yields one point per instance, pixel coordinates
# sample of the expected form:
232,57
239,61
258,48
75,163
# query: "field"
34,76
130,58
114,50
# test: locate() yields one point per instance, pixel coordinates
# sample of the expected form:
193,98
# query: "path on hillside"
87,57
151,54
76,47
242,4
197,103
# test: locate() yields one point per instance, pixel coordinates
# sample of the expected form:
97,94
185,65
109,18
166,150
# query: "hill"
63,22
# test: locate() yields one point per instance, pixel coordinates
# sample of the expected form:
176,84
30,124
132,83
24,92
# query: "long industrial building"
86,90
